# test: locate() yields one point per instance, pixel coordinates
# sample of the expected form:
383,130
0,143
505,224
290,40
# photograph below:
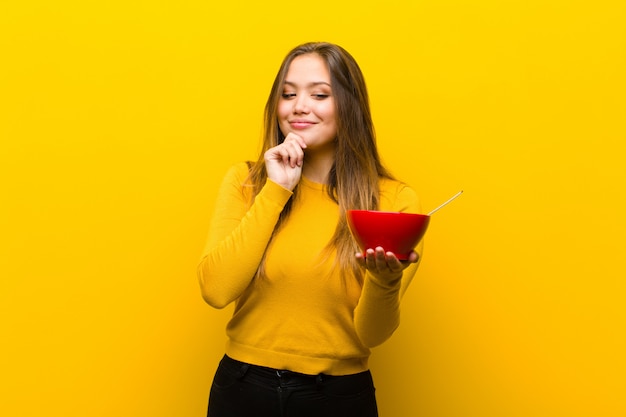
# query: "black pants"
243,390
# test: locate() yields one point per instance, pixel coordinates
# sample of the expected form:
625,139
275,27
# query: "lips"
301,124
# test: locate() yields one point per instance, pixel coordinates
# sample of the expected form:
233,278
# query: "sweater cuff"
275,193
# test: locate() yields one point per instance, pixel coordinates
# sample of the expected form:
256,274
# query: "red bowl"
393,231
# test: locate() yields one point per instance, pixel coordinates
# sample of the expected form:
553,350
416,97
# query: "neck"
317,166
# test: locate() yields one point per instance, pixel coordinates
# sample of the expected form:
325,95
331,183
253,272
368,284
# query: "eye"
288,95
320,96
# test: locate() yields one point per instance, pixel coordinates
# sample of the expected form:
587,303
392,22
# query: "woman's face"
307,106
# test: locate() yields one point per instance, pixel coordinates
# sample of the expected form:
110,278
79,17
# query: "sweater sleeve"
238,236
377,314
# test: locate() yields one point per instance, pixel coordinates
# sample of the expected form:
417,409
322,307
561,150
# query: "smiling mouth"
301,124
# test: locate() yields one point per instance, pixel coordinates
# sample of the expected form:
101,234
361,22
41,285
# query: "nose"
301,104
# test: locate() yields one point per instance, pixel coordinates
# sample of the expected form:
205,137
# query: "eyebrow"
312,84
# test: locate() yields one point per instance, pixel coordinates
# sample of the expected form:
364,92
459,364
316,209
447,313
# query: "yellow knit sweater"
303,316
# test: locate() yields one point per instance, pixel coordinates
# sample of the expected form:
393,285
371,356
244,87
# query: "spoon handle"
448,201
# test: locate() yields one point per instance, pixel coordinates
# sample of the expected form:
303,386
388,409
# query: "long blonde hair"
353,181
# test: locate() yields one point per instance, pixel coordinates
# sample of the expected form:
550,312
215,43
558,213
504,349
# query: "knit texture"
303,315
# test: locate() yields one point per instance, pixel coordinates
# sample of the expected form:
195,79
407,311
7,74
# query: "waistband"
280,376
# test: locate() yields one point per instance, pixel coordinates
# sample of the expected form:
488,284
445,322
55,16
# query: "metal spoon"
449,200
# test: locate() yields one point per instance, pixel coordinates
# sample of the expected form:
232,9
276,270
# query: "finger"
281,153
393,263
370,259
292,137
296,154
290,154
297,143
381,258
413,257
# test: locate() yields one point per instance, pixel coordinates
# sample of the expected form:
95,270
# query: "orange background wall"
118,119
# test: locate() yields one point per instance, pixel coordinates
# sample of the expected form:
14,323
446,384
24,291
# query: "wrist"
385,281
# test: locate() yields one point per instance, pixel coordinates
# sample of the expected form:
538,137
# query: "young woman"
308,304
